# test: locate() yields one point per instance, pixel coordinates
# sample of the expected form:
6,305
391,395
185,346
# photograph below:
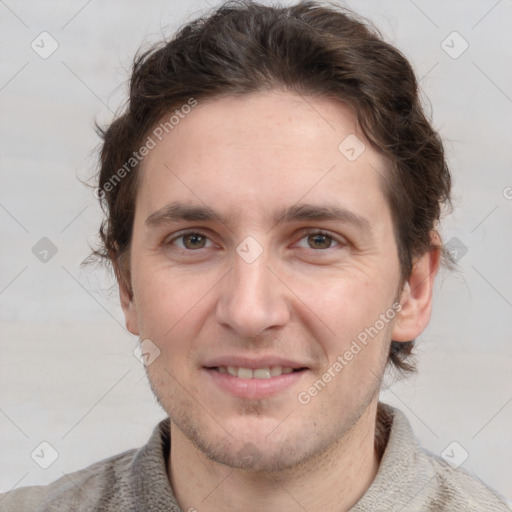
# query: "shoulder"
96,487
457,489
414,479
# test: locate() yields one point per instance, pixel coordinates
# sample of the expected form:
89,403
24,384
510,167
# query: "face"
260,256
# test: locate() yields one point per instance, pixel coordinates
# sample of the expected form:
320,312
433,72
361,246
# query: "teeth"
245,373
276,370
258,373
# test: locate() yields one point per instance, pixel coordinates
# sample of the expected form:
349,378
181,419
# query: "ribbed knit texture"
409,479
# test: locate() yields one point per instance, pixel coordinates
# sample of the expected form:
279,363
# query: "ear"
416,299
128,306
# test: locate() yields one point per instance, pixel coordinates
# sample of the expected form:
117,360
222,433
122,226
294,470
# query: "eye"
319,240
192,240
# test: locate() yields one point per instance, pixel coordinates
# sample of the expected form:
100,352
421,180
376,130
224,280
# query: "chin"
257,458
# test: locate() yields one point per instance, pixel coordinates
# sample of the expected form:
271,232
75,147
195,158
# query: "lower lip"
254,388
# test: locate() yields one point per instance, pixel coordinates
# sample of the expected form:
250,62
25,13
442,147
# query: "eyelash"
304,234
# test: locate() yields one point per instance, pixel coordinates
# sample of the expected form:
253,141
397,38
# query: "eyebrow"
177,211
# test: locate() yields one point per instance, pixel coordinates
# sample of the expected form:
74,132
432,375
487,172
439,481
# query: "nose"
252,298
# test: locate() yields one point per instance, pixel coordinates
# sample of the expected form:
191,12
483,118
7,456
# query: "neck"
332,481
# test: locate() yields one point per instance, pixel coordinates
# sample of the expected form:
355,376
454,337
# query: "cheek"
356,344
170,304
347,303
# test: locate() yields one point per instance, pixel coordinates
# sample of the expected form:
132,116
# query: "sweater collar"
152,491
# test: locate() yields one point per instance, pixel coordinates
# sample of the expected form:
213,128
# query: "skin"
304,297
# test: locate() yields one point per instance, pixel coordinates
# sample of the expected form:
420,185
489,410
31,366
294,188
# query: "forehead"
244,155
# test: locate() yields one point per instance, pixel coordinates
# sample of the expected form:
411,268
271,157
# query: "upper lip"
253,363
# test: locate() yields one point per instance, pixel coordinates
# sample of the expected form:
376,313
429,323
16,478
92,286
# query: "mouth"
253,383
266,372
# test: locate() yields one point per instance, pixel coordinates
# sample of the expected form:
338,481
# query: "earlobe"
128,307
416,298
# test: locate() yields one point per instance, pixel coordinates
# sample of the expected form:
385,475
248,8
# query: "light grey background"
68,374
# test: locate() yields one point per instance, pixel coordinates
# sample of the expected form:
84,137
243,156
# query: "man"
272,195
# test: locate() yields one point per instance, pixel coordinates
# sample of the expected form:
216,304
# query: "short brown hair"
312,49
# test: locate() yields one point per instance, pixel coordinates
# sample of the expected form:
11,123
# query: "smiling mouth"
257,373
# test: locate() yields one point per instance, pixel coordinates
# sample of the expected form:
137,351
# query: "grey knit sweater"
409,479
